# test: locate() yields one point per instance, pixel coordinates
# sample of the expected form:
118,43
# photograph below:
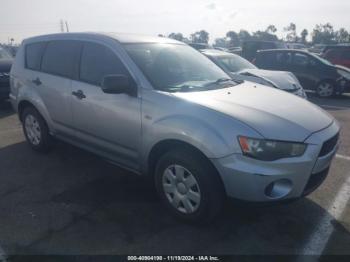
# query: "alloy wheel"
32,129
325,89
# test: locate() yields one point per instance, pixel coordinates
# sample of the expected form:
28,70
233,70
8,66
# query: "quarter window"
61,58
98,61
34,53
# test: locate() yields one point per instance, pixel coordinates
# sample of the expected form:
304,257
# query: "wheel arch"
22,106
164,146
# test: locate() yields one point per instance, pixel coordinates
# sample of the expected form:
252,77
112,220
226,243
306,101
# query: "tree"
271,29
200,37
342,36
176,36
304,35
233,38
291,30
264,36
244,35
221,42
323,34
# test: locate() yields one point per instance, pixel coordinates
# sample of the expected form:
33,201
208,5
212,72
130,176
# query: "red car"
338,56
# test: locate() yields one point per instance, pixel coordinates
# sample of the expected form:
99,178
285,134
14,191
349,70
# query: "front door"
108,124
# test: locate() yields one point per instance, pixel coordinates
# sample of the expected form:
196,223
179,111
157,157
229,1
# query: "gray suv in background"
161,109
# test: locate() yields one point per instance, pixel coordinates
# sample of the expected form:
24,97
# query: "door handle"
79,94
37,81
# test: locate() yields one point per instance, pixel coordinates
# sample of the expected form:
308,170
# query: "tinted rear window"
98,61
61,58
34,54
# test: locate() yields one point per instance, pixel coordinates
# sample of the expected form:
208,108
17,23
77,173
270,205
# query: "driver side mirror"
118,84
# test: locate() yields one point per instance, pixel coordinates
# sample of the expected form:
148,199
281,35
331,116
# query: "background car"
5,67
338,56
313,72
241,69
317,49
199,46
249,48
296,46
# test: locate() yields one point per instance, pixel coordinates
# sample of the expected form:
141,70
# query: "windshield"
322,60
4,54
175,67
234,63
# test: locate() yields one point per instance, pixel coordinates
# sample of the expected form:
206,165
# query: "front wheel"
325,89
189,186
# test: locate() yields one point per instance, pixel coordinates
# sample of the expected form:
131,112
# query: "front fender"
214,135
193,131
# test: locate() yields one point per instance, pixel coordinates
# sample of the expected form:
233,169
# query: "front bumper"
260,181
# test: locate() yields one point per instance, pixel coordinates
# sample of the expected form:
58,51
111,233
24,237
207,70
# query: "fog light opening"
278,189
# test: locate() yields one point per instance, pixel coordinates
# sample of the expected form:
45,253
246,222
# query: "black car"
250,48
5,67
313,72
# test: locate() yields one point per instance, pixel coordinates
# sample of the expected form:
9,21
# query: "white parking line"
343,157
323,230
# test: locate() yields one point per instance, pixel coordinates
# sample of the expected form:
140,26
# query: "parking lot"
72,202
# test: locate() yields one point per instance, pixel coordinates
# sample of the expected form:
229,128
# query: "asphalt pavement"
72,202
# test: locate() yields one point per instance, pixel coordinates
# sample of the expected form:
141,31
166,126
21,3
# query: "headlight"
269,150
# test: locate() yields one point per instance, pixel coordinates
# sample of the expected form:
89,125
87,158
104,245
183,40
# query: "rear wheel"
35,130
189,186
325,89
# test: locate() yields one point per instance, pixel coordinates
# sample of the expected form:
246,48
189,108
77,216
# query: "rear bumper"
260,181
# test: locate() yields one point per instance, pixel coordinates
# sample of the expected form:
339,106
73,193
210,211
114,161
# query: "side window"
98,61
300,59
283,58
34,53
61,58
267,59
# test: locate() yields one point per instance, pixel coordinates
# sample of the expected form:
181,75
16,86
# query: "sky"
24,18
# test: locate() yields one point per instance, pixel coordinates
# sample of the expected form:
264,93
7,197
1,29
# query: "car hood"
280,79
273,113
5,65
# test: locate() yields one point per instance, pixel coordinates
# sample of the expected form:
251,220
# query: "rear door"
58,67
110,124
306,68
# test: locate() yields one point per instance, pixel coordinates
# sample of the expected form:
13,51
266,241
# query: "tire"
325,89
189,186
35,130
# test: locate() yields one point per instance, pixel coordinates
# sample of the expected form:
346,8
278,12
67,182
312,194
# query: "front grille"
329,145
315,181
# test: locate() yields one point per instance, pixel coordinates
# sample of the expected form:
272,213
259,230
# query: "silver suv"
160,108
